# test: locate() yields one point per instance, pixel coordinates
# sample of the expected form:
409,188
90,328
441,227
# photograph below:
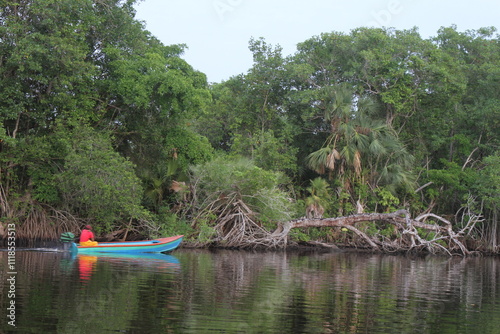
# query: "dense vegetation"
102,124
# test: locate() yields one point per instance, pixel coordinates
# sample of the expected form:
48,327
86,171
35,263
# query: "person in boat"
87,237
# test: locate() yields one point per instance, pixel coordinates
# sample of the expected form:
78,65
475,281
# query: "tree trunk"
409,236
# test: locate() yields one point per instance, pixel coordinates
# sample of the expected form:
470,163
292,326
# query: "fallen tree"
444,240
232,204
237,227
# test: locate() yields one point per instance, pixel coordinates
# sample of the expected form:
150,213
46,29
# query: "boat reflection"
140,258
158,261
86,266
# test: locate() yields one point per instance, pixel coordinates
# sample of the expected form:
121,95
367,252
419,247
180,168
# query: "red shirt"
86,235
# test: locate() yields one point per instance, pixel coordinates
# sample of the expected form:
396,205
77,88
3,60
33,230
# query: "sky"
217,32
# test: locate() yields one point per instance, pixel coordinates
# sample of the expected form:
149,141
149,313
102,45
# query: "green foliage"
42,158
224,174
362,152
487,183
319,189
97,182
247,116
268,151
319,199
170,224
45,189
258,188
387,200
358,144
44,52
189,147
273,205
205,233
451,185
367,108
157,183
299,235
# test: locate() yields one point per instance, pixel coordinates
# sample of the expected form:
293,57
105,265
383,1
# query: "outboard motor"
68,240
67,237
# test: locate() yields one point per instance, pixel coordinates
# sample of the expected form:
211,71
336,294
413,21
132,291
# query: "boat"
159,245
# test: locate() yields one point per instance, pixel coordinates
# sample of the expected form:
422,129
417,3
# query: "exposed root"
235,224
34,222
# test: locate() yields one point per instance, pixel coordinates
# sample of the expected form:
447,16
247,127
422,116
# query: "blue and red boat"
159,245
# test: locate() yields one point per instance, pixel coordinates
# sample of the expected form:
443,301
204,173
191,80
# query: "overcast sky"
217,31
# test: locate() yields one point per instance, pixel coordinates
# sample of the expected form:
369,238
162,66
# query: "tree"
319,199
97,183
248,111
45,75
359,150
487,186
236,201
456,128
69,65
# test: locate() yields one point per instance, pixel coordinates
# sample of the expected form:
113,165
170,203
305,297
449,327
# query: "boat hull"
160,245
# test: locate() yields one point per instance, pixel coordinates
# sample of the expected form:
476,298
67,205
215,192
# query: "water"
198,291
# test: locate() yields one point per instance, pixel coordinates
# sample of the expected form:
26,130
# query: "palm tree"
162,181
359,149
318,201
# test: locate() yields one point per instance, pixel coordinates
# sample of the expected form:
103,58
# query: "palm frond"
318,159
377,148
330,159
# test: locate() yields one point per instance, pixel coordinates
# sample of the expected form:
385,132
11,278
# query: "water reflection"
197,291
87,264
343,292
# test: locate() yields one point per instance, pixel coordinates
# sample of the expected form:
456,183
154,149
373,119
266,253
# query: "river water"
200,291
